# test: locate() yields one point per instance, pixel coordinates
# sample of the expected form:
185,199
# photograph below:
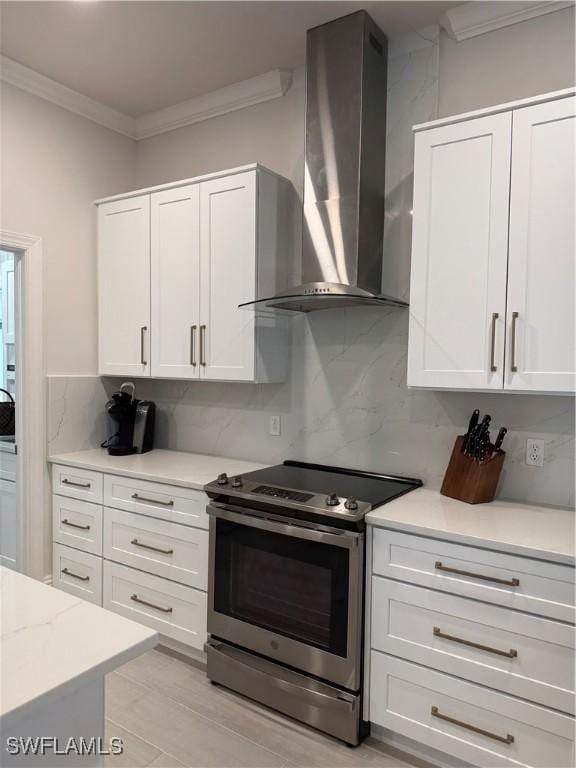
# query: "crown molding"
477,18
27,79
271,85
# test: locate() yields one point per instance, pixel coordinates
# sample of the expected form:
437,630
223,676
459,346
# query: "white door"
8,287
124,287
459,255
540,350
228,277
175,260
8,524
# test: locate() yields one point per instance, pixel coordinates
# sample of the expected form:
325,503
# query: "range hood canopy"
344,175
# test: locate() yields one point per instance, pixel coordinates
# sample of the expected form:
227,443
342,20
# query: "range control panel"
282,493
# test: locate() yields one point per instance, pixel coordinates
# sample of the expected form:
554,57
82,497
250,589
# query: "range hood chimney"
346,85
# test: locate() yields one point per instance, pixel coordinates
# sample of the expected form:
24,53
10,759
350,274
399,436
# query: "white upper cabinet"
540,316
175,238
176,262
492,283
228,275
459,252
124,287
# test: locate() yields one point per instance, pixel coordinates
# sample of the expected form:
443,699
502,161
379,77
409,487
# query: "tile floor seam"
205,719
149,743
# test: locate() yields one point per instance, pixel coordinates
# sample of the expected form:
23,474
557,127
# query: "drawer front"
77,524
415,702
167,502
516,582
173,610
513,652
8,466
176,552
83,484
77,572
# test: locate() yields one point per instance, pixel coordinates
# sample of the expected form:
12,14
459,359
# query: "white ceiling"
138,57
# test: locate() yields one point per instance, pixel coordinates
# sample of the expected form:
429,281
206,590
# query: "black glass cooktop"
303,478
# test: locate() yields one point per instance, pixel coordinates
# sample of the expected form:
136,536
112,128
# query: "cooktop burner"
314,488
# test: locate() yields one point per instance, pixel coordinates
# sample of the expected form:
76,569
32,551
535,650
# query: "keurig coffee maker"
134,422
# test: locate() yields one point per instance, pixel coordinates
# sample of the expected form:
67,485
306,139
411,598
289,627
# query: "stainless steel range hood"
346,84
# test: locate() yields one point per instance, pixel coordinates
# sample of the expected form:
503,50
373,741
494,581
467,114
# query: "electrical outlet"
534,452
275,426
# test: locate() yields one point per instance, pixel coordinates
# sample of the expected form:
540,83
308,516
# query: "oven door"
288,592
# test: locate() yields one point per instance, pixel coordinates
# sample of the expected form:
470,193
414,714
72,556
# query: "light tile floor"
169,715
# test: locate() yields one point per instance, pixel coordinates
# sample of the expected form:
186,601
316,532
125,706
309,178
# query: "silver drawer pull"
508,739
75,575
154,549
70,524
137,599
75,485
511,654
136,497
508,582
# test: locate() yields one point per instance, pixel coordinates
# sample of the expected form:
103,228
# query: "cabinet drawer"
173,610
81,484
414,701
513,652
77,572
77,524
167,549
167,502
515,582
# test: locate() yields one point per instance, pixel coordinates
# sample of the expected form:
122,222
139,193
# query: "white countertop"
52,643
189,470
7,446
507,526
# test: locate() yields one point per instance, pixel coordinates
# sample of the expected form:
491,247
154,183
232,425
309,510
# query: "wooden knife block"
469,480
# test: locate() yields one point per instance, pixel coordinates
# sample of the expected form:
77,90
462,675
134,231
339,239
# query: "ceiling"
138,57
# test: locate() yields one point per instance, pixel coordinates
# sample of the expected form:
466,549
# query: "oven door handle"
343,539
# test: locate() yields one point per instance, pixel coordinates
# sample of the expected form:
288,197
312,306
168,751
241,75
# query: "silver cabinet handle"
151,547
508,582
70,524
75,485
137,599
75,575
508,739
193,345
137,497
142,351
493,366
513,365
203,345
511,654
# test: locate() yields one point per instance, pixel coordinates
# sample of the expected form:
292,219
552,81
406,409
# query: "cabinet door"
8,524
175,282
459,255
541,341
228,277
124,287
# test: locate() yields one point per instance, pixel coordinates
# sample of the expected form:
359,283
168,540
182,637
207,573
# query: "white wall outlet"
534,452
275,426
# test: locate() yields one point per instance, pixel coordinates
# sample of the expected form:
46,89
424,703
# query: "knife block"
471,481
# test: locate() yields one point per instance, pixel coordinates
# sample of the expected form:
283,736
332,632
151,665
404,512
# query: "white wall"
53,165
511,63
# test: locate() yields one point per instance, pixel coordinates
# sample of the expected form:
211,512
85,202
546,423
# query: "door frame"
32,475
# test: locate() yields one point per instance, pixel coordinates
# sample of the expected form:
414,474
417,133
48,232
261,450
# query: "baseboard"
419,754
48,580
181,651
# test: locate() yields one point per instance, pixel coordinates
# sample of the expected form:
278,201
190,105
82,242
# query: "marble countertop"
189,470
7,446
546,533
53,643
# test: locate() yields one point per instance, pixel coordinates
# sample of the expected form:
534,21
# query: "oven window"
290,586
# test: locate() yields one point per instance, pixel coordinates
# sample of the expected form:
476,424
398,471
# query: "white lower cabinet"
471,722
141,552
8,524
461,661
175,611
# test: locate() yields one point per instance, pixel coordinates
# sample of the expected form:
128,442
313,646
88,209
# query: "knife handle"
500,439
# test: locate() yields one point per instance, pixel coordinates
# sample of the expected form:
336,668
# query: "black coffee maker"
135,422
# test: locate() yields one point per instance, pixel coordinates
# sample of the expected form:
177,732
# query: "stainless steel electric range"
286,588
